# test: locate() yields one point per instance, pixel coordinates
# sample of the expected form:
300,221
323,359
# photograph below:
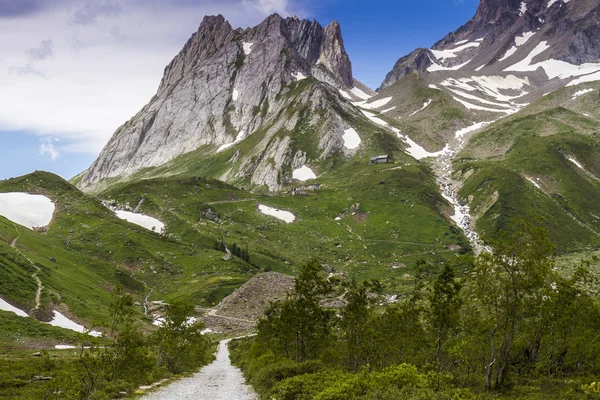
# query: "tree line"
510,325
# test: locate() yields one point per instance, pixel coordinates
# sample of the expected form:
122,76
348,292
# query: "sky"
73,71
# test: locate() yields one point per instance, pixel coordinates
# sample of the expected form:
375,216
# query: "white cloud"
47,147
268,6
79,69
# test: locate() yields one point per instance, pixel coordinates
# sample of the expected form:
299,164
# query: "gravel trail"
219,380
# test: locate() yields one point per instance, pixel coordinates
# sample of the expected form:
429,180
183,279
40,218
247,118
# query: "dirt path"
40,287
228,201
217,381
213,313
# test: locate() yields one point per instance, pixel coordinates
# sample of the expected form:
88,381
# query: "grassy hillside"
542,163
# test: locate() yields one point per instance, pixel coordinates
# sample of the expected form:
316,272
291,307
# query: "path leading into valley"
217,381
40,287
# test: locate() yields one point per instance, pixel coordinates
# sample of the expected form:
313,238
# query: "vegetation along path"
219,380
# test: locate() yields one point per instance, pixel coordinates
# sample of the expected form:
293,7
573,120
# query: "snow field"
285,216
351,139
142,220
5,306
238,139
61,321
28,210
247,47
303,174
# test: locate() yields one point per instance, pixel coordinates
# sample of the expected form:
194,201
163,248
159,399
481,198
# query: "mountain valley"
261,153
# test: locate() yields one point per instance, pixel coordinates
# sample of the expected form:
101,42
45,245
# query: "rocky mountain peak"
225,85
333,53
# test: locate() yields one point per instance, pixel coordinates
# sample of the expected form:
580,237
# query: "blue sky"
73,71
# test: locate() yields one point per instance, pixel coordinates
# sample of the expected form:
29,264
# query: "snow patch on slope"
585,79
519,41
351,139
581,93
359,93
61,321
425,105
247,47
285,216
28,210
553,68
145,221
415,150
373,118
303,174
298,76
5,306
238,139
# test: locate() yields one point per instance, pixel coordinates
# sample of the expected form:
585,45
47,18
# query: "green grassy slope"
539,144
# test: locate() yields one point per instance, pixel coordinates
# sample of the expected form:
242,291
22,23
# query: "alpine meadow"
269,227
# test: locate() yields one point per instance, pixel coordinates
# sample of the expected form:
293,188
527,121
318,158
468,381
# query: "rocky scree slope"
225,85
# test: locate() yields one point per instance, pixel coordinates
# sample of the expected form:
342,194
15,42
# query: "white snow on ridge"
359,93
303,174
553,68
351,139
452,53
61,321
298,76
551,2
247,47
581,93
5,306
491,86
425,105
437,67
28,210
387,110
285,216
142,220
235,95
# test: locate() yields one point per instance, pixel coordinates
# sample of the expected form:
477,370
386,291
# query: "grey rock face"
570,29
418,60
223,86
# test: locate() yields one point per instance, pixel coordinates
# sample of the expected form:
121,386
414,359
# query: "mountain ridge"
225,85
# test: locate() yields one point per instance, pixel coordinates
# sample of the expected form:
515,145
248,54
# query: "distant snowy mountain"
554,42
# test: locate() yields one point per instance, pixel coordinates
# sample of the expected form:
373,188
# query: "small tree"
299,324
179,340
444,302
